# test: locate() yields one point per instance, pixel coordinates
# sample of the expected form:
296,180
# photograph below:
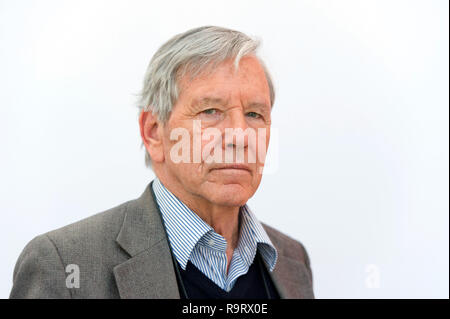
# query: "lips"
232,166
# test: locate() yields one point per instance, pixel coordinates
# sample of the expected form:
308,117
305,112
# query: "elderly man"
190,234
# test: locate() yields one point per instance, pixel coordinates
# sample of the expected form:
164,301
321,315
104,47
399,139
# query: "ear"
151,134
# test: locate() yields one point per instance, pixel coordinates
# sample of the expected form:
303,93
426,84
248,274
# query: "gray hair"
192,52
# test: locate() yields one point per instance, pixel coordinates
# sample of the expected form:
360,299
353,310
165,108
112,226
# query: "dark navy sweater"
248,286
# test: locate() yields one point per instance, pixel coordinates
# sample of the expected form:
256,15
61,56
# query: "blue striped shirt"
192,239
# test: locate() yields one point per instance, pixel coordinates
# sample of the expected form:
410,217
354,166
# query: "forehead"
224,82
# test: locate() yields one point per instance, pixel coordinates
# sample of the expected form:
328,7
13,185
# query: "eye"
254,115
210,111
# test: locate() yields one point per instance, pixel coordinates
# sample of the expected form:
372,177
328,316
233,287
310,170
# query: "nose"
236,130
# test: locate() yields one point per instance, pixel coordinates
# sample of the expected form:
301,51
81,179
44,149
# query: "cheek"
211,144
262,144
180,157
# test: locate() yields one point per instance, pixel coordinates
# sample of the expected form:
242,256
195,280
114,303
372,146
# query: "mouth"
232,167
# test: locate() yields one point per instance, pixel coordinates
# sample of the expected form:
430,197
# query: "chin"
230,195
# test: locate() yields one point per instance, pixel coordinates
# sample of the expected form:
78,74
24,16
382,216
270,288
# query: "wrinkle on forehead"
249,85
226,69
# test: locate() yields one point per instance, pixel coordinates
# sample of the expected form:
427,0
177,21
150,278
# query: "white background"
362,113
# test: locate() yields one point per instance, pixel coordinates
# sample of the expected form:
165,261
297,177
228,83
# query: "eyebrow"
258,105
209,100
217,100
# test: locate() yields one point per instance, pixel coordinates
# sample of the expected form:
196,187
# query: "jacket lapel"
149,273
289,276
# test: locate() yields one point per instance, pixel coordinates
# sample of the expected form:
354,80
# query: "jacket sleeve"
39,272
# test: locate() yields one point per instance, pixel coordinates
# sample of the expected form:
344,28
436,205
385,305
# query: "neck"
223,219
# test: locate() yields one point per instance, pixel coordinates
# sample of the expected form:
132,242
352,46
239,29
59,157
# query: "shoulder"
96,233
287,246
90,244
101,227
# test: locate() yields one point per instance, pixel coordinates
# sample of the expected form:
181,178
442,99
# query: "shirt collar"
253,236
186,229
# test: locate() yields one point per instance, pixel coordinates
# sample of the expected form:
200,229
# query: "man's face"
221,100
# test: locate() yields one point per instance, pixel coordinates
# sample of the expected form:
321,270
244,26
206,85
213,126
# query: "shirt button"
211,242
